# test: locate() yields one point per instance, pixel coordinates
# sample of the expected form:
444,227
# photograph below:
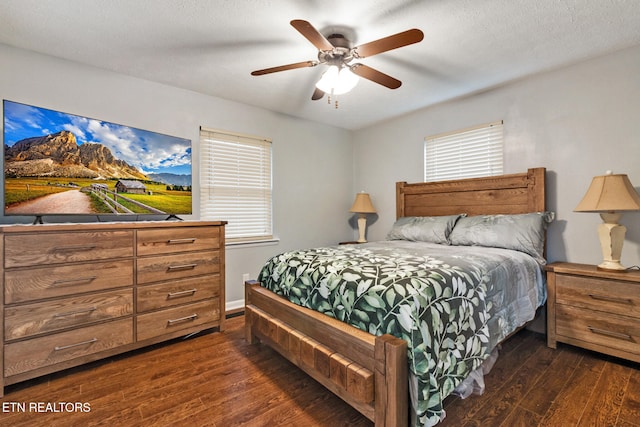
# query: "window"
467,153
235,184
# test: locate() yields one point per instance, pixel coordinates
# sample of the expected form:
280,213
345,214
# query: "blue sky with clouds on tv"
150,152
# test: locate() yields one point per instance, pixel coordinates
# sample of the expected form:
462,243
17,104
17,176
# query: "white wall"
313,163
577,122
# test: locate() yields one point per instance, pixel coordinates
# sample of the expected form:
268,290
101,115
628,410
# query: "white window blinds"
235,183
468,153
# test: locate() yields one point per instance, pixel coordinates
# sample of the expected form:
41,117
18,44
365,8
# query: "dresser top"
90,226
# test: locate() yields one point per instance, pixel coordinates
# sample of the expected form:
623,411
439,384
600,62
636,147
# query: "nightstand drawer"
598,294
606,330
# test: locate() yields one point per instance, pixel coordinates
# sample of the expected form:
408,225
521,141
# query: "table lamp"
362,206
610,195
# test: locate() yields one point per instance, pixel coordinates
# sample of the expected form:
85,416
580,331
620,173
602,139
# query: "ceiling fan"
336,52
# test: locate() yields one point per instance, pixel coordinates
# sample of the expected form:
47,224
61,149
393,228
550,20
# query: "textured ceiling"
212,46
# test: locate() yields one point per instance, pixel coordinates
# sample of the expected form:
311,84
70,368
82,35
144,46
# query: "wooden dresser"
74,293
594,309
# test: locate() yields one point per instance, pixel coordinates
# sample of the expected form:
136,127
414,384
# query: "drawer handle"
71,313
74,281
181,241
181,293
182,267
182,319
65,347
612,334
74,248
611,299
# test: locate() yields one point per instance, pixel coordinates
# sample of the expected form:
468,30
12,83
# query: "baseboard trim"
233,308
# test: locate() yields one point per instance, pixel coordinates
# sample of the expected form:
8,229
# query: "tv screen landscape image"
63,164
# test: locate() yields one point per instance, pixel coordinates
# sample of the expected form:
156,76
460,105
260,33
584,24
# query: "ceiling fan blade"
375,76
395,41
317,94
303,64
311,34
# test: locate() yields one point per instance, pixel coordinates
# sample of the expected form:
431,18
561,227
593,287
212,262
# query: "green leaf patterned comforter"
452,304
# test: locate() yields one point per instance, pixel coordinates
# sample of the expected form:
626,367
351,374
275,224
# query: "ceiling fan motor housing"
341,53
339,40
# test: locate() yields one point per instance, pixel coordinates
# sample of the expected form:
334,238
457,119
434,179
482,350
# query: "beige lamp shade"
610,195
362,204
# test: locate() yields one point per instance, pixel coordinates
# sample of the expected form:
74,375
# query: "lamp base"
362,226
611,236
612,266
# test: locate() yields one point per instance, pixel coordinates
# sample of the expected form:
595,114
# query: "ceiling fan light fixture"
336,81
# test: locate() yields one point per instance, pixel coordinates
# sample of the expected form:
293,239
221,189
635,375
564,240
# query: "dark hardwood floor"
217,379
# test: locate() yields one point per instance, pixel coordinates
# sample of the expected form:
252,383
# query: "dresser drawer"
169,267
606,330
56,281
36,353
187,239
21,250
176,319
598,294
175,292
33,319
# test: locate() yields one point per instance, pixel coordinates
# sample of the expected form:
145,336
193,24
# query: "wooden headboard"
501,194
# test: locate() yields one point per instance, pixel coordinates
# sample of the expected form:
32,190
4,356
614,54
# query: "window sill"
251,244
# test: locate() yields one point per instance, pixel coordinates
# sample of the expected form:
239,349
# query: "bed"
431,313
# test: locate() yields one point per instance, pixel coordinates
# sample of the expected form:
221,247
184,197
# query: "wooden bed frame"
368,372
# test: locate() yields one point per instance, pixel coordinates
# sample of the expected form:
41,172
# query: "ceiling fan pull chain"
335,103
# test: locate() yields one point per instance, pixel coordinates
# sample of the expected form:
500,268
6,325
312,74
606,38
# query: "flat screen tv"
57,163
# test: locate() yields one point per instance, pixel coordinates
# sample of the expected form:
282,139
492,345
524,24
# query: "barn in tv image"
57,164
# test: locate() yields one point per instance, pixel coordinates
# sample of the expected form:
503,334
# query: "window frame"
456,161
242,179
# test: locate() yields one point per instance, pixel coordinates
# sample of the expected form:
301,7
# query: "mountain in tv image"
60,163
171,178
59,155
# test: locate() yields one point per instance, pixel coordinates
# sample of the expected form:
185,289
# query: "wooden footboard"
368,372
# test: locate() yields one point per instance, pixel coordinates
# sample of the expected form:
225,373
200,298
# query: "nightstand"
594,309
